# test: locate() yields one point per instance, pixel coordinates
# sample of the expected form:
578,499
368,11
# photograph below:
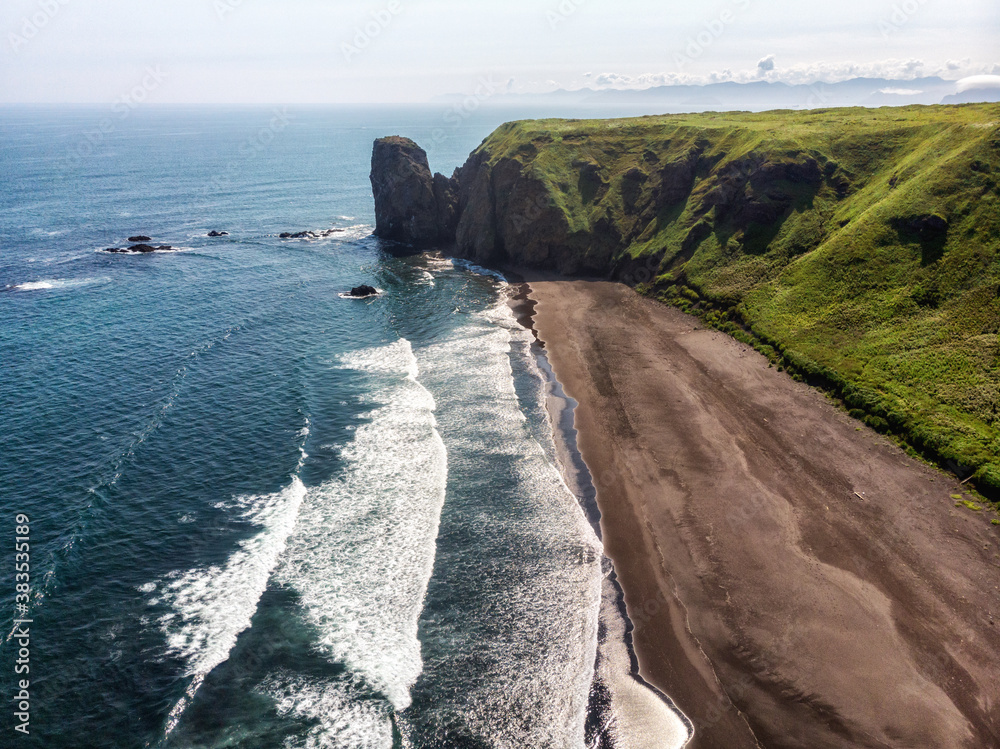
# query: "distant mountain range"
760,95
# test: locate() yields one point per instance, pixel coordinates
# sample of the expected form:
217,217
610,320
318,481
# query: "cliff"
411,206
858,248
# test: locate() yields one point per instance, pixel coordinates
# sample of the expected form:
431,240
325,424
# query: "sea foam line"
364,548
637,713
533,694
57,283
211,607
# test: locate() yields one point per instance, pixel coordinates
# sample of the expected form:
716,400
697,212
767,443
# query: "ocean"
260,514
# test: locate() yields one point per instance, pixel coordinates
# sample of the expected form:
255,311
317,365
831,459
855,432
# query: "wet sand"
795,580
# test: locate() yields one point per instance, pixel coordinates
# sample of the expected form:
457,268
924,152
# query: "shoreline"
762,586
609,707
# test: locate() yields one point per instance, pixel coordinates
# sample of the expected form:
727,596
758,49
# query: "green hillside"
857,248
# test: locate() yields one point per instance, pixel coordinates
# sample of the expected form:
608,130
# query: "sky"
395,51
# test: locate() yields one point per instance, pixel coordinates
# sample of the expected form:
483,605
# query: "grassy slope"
841,287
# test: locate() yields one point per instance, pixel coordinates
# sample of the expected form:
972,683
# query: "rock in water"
140,238
218,234
361,292
411,205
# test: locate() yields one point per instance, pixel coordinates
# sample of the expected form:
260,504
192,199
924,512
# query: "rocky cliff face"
491,212
722,203
580,208
411,206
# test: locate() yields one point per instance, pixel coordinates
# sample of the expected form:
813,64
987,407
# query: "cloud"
821,72
900,91
614,80
991,82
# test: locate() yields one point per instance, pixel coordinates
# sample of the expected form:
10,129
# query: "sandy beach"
795,579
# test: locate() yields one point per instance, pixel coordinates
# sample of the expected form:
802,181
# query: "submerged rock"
138,249
311,234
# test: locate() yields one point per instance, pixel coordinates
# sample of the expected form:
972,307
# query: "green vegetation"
858,249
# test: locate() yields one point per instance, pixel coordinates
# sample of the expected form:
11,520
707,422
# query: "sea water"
263,515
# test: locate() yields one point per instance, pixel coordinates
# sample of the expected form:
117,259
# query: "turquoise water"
263,515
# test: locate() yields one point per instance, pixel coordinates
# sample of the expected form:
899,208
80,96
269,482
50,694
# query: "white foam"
211,606
438,262
58,283
376,295
340,720
639,717
480,270
129,253
533,695
356,231
342,233
363,551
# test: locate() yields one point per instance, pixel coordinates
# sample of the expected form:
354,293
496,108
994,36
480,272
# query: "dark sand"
776,606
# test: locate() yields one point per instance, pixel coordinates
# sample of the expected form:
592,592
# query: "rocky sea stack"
411,205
